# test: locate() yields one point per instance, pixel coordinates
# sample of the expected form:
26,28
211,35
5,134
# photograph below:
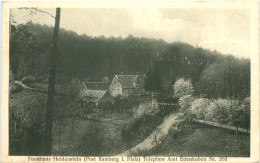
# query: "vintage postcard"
130,81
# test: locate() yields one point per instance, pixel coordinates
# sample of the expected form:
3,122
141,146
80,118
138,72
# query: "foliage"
224,111
122,103
22,51
182,88
92,141
147,108
211,73
245,107
140,128
28,79
199,106
230,78
185,102
13,87
26,130
219,110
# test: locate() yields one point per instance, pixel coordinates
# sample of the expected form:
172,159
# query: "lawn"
204,140
26,98
88,138
44,86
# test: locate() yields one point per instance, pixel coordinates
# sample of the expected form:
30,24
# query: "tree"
121,103
51,87
235,114
185,104
147,108
23,46
245,106
227,79
199,107
183,87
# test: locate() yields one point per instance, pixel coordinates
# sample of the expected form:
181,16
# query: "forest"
212,74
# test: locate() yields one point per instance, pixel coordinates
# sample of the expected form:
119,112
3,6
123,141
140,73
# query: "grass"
84,140
204,140
44,86
26,98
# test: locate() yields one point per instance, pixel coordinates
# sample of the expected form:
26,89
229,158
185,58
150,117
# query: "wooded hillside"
212,74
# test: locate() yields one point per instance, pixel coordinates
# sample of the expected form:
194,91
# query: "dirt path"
30,88
159,133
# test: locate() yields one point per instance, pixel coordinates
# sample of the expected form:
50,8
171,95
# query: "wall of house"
115,88
128,91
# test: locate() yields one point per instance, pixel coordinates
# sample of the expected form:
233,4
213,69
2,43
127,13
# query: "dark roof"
96,85
141,80
127,81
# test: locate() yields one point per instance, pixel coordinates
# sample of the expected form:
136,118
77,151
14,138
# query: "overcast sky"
224,30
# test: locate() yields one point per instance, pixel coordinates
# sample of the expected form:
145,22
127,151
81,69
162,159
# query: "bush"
245,107
26,130
11,76
199,106
122,103
223,111
28,79
183,87
147,108
220,110
185,102
15,88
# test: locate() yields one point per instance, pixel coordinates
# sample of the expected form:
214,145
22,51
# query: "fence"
223,126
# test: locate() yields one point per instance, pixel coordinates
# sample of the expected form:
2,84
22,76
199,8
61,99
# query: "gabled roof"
127,81
96,85
94,95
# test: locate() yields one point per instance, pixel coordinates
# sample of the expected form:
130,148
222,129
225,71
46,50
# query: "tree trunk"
51,88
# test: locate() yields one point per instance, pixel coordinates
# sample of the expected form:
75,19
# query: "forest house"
127,85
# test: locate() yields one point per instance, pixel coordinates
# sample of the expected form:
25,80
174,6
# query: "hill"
92,58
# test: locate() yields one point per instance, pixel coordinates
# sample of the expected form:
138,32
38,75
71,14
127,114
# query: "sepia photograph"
161,83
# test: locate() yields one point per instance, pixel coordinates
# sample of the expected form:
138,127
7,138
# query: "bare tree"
51,87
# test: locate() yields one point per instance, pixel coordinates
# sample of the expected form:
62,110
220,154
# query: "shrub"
185,102
26,129
122,104
11,76
15,88
28,79
220,110
245,107
147,108
183,87
199,106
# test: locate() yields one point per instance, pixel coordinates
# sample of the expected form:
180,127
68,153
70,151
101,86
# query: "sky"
224,30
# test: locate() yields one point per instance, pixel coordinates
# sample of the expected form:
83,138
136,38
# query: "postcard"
130,81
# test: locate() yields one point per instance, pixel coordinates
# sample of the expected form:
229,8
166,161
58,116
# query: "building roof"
92,95
127,81
96,85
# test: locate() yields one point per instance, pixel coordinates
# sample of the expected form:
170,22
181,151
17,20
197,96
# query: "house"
91,96
127,85
96,85
92,92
